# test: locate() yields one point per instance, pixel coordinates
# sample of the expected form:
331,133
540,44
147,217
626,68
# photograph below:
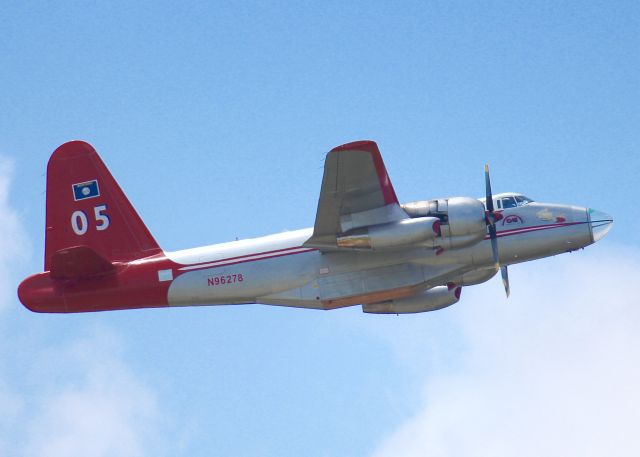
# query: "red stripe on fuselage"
533,228
247,258
301,249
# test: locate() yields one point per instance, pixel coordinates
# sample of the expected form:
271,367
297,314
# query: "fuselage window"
508,202
521,200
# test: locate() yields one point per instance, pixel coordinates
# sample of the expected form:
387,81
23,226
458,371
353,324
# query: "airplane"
366,248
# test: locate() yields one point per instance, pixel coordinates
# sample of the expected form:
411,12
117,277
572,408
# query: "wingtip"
360,145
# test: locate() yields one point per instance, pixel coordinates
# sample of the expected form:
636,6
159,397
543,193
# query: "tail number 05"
80,223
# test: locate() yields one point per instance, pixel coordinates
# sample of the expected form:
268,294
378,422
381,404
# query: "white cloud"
103,409
14,246
553,371
14,249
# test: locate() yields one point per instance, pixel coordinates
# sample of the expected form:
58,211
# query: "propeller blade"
491,225
494,246
505,279
489,194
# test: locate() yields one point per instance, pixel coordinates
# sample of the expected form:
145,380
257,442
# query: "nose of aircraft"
600,223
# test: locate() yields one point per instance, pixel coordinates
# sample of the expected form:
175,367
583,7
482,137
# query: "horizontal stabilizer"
79,262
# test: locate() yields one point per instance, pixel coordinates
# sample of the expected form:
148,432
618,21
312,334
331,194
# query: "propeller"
492,217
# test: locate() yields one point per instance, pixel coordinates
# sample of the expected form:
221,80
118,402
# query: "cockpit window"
508,202
521,200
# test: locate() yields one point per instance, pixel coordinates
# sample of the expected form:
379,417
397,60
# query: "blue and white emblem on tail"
85,190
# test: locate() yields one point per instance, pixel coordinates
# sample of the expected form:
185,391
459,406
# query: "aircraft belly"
363,286
372,280
243,282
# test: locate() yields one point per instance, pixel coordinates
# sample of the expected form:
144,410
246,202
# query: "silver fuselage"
279,270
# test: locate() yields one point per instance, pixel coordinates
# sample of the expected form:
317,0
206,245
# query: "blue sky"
215,119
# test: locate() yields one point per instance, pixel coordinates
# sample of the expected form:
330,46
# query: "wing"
356,192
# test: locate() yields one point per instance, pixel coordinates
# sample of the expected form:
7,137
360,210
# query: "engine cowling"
429,300
401,233
462,220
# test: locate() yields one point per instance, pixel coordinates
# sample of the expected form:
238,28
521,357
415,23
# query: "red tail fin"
86,207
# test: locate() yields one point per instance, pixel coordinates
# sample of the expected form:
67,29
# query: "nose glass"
600,222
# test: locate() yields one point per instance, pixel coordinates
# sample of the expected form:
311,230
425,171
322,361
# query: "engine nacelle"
401,233
462,219
429,300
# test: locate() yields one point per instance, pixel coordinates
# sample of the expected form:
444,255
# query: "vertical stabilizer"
86,207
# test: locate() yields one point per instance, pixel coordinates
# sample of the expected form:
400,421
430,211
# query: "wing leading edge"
356,192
